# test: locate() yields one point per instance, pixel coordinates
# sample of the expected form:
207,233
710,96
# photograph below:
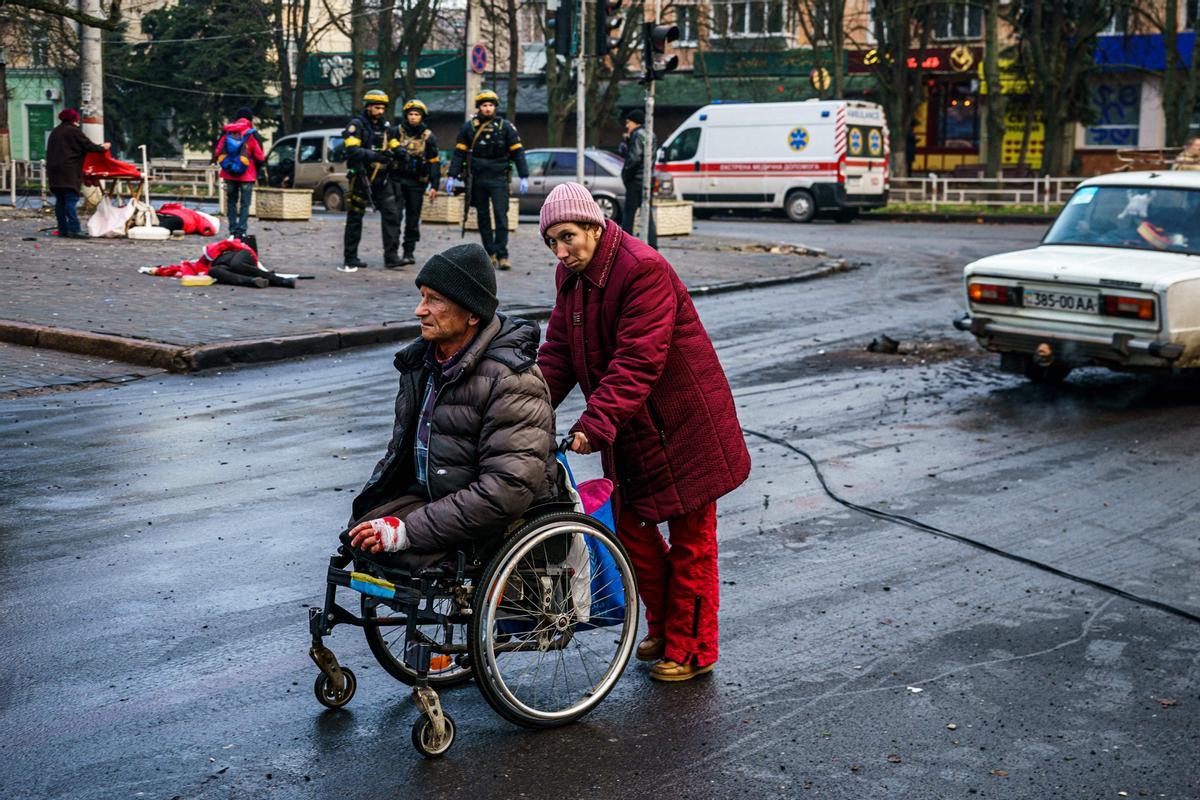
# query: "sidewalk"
87,297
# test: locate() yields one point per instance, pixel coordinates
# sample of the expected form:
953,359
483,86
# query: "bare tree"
996,107
899,27
1056,39
1180,79
608,73
71,11
823,23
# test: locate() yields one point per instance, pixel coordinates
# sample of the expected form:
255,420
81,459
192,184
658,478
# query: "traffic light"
655,63
608,25
560,20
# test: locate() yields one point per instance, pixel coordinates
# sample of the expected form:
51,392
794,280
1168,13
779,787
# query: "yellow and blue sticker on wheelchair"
544,625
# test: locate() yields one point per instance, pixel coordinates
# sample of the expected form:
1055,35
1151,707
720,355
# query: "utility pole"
474,79
5,146
92,87
655,39
581,91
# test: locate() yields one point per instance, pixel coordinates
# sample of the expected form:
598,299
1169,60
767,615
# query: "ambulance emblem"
856,141
875,143
798,139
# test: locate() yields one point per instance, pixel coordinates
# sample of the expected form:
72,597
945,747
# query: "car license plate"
1061,301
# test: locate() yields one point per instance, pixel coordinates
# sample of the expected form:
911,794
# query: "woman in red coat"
659,410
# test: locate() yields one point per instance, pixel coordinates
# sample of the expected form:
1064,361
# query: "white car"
1115,283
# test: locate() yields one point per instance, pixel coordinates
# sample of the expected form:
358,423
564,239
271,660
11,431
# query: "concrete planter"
672,217
448,211
283,204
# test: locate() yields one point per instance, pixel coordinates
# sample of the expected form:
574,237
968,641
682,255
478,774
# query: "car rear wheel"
608,206
334,199
800,206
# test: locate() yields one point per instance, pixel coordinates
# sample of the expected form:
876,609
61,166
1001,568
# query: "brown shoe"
504,263
651,648
671,671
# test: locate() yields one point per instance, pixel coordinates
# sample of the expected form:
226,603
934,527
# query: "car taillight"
993,293
1135,307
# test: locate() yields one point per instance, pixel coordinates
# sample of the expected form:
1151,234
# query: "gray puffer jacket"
491,445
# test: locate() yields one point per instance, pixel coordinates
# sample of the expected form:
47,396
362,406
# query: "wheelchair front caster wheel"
326,694
423,738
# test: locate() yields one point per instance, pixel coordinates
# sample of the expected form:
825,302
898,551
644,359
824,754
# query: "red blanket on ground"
201,265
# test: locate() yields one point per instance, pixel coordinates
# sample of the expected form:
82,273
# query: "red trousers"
678,583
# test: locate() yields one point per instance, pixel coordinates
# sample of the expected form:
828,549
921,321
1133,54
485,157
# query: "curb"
193,358
989,219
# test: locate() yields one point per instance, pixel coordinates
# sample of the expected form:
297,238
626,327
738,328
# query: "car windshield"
1142,218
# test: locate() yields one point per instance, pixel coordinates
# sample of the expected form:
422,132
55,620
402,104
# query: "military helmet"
375,96
416,105
486,96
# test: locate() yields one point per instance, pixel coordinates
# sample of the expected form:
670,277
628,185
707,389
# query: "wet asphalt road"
161,542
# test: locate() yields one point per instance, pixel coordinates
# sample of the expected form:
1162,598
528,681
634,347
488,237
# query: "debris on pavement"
779,249
886,344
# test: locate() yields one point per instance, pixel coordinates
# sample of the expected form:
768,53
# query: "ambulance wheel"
800,206
334,198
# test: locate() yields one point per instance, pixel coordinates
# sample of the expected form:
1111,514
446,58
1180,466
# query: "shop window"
1116,107
959,21
954,111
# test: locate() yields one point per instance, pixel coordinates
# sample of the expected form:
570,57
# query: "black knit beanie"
245,112
464,273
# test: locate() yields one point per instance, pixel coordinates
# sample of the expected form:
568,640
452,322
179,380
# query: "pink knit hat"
570,202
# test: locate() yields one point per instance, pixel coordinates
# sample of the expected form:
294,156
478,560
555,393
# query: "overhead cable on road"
987,548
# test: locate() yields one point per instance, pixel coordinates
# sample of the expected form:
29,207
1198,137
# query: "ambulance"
810,157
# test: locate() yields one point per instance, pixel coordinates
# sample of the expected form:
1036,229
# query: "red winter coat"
251,149
658,405
193,221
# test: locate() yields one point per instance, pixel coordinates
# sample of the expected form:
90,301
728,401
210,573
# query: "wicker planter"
671,217
448,211
285,204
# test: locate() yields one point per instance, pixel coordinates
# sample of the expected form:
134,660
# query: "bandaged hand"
523,186
385,534
449,185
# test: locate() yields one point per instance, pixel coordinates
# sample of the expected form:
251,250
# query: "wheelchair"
543,619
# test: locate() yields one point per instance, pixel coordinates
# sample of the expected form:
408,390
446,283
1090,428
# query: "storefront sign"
933,59
436,69
772,63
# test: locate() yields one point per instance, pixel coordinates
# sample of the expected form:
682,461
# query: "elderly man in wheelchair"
475,554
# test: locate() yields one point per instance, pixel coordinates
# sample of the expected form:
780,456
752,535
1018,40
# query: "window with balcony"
958,21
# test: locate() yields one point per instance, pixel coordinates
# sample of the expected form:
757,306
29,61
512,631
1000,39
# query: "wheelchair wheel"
330,697
541,657
387,644
422,736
